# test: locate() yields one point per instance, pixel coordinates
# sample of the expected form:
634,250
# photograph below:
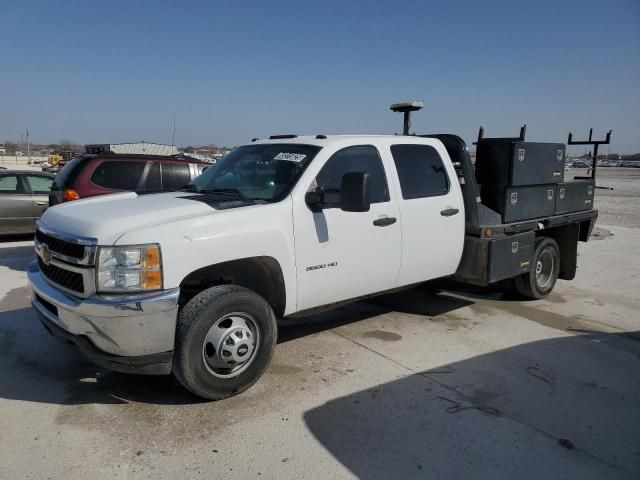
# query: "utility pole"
28,149
173,137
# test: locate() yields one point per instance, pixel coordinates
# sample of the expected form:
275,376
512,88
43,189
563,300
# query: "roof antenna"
406,108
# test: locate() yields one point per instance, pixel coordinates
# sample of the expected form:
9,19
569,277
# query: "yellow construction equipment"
55,159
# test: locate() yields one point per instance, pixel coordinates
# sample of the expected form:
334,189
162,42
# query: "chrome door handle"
384,221
447,212
42,203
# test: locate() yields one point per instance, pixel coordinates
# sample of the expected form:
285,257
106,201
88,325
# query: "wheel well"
566,237
262,275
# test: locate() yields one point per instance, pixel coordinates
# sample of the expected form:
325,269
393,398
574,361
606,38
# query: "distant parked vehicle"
580,164
54,164
24,196
92,175
53,168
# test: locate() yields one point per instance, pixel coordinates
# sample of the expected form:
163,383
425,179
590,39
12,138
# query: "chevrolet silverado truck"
192,282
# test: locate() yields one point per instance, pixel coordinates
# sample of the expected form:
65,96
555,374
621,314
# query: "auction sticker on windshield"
290,157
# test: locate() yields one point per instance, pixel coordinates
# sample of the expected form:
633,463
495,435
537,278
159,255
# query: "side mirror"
354,192
314,200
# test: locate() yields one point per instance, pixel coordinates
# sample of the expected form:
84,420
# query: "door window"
9,184
118,175
361,158
39,184
420,170
175,175
153,181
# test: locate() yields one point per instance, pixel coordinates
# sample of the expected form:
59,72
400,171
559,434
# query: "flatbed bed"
495,251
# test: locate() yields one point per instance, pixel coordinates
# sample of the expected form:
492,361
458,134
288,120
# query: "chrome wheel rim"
230,345
544,269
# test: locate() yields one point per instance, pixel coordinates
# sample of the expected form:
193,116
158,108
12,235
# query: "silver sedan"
24,196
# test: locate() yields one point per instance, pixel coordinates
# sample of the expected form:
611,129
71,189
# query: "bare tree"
70,146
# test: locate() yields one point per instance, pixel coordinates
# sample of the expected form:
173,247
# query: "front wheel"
545,266
225,338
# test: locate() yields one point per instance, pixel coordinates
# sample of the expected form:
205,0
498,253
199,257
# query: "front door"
343,255
40,187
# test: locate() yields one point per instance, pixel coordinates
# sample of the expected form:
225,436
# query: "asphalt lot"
442,381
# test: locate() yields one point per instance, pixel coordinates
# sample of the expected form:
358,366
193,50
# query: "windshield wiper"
232,192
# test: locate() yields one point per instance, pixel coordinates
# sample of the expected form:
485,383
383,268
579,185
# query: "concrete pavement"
442,381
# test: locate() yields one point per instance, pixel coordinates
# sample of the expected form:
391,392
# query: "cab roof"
324,140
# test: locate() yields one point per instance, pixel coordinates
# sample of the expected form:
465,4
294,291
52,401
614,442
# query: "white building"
140,148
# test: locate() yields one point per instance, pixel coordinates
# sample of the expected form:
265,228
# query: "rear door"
16,210
39,187
431,210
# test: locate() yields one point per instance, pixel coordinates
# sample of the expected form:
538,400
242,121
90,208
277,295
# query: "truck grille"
70,280
61,246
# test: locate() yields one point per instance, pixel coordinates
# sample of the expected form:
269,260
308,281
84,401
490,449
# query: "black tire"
201,316
532,285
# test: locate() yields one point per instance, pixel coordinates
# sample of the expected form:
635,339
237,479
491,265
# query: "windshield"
258,172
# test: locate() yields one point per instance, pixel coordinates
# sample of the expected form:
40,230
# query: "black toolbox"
520,203
574,196
489,260
519,163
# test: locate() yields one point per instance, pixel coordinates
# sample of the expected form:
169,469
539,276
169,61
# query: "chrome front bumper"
122,326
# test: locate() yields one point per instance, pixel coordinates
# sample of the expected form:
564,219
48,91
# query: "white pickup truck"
193,282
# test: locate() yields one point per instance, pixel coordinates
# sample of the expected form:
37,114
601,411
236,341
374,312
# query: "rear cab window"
421,171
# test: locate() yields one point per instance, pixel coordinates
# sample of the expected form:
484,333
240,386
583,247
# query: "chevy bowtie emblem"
45,254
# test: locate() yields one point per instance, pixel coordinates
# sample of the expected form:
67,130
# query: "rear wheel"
545,266
225,338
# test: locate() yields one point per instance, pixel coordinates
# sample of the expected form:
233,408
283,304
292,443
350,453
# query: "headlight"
129,269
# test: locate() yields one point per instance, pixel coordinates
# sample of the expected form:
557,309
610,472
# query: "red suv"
91,175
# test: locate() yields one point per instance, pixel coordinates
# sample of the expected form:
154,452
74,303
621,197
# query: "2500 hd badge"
323,265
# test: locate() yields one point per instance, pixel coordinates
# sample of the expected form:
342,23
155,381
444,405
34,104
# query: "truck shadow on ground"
558,408
36,367
563,407
428,300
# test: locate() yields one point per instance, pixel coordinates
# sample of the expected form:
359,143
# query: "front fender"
225,235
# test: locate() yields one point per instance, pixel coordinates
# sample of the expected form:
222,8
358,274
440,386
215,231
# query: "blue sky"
116,71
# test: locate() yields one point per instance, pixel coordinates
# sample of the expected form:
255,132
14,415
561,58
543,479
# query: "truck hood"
106,217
